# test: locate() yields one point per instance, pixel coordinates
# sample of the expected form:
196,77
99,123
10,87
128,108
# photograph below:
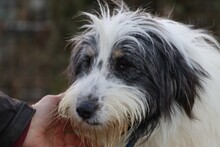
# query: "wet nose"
86,109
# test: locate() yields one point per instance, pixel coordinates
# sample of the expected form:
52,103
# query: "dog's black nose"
86,109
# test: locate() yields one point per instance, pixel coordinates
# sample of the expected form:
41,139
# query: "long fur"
140,80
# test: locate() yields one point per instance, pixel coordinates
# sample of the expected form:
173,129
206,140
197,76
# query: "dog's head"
127,70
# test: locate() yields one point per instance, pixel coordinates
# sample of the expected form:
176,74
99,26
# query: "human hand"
42,134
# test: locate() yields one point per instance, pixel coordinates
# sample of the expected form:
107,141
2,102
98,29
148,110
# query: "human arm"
15,116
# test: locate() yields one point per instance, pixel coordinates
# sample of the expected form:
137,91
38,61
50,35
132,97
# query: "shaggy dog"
144,81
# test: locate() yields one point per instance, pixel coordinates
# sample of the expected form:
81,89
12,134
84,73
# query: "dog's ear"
175,81
179,77
175,78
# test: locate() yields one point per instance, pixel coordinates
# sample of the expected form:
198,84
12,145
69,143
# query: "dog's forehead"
105,43
108,40
110,36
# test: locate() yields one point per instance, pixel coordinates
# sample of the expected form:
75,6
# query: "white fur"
120,100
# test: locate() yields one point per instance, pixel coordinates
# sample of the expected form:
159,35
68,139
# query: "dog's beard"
122,108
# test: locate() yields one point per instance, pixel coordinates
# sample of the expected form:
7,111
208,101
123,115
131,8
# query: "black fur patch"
163,74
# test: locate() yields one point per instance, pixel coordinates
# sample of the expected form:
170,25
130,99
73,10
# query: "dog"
138,80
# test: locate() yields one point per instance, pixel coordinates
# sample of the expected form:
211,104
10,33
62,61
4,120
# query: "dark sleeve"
15,116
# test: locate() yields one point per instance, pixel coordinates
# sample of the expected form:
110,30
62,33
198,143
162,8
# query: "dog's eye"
123,64
83,64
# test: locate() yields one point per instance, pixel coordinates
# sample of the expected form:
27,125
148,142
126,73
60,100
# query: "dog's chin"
85,123
90,130
93,123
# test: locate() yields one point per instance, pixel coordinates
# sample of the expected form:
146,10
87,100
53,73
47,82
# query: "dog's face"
126,72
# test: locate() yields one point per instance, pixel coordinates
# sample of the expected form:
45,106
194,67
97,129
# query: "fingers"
58,96
46,109
52,99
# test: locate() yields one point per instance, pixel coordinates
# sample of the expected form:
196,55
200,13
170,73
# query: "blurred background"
33,35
